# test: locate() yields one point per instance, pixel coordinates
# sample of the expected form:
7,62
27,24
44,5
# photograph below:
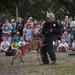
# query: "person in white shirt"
22,41
72,26
4,44
73,45
63,46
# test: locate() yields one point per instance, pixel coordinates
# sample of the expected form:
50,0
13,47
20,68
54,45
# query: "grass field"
65,65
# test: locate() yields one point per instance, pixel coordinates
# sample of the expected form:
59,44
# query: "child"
5,44
73,45
36,31
17,36
22,42
63,46
14,45
29,33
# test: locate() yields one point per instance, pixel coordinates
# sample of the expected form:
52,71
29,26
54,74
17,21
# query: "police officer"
50,31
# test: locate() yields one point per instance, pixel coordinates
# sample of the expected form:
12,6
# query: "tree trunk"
16,13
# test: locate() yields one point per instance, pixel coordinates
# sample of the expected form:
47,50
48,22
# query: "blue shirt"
29,32
9,25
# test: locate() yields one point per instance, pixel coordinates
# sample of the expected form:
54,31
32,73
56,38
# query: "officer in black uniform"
50,31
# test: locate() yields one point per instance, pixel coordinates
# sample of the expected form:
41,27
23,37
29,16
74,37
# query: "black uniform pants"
48,49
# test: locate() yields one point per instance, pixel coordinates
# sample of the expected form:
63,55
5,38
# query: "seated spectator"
63,46
56,44
17,36
65,36
4,44
14,45
73,45
22,42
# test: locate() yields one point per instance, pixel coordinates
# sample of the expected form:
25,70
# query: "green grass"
65,65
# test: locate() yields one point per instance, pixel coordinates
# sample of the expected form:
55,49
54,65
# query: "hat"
65,32
30,18
49,17
12,20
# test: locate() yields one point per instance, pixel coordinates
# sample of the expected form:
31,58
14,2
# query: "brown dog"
33,45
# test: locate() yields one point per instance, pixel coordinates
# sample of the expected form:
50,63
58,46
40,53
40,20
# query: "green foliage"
38,8
34,8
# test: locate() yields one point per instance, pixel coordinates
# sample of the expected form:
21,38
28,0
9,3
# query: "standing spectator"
60,24
40,30
20,25
71,19
6,30
29,33
24,29
28,21
67,29
13,27
36,23
20,29
67,18
31,21
0,32
9,24
73,28
36,31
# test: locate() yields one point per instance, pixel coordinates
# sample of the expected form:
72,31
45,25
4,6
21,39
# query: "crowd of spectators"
16,34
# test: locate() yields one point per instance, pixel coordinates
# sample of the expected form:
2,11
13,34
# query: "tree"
26,8
63,7
38,8
69,6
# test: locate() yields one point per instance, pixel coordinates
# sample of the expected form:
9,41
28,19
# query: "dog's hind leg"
13,59
21,59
